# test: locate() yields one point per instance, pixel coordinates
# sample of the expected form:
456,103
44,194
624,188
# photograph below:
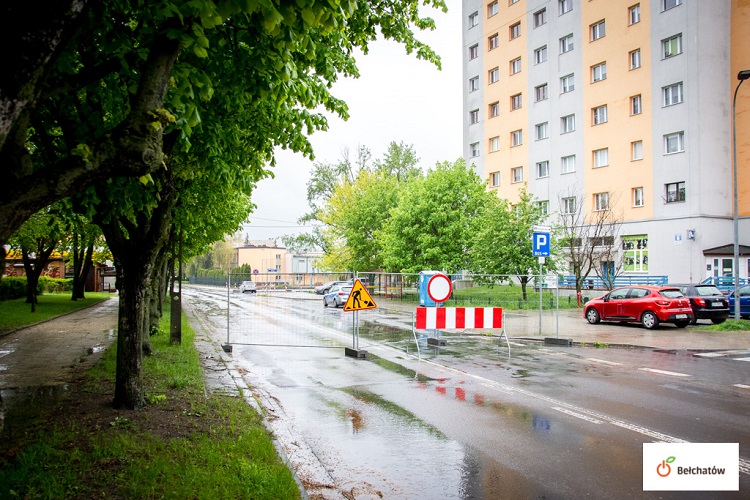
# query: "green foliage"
15,313
12,287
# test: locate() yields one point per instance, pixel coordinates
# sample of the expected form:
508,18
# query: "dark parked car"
324,288
338,296
707,302
649,305
744,302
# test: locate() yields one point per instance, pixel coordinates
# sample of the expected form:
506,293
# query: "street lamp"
741,76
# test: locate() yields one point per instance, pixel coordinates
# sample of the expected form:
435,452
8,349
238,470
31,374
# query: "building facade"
617,105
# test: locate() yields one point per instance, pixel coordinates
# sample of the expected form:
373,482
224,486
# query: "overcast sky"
396,98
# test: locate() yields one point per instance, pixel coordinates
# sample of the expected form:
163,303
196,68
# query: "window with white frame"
635,58
511,2
473,84
566,43
474,116
635,252
670,4
636,150
491,9
599,115
542,169
543,206
494,109
671,46
636,104
495,179
599,72
567,84
515,102
493,42
568,164
638,197
540,17
540,55
598,30
541,131
473,19
474,149
567,124
672,94
634,14
569,205
494,144
516,174
540,92
601,202
515,31
675,192
564,6
674,143
601,157
515,66
516,138
494,75
474,51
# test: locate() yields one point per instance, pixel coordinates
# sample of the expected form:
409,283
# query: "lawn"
17,313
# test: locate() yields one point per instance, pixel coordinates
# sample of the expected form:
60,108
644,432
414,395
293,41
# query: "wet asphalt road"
471,420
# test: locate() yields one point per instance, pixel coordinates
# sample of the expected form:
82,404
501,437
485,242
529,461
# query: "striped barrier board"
458,317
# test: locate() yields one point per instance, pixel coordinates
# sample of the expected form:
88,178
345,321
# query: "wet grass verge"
730,325
17,313
183,444
397,368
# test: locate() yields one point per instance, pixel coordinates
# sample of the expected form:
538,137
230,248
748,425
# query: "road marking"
664,372
577,415
595,360
742,386
742,359
719,354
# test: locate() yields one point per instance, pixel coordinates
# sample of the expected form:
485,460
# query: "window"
473,51
636,149
599,115
567,124
473,19
543,206
567,84
511,2
598,30
542,169
599,72
492,9
634,13
675,192
515,66
494,75
601,158
638,197
607,241
601,202
568,164
635,59
670,4
671,46
495,179
541,130
515,102
493,42
540,92
494,109
516,174
564,6
674,143
566,44
540,18
474,149
494,144
474,84
516,138
569,205
672,94
635,253
515,30
473,116
540,55
636,105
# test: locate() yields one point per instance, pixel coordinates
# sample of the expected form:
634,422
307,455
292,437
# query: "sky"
396,98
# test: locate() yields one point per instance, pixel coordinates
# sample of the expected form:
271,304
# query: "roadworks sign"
359,299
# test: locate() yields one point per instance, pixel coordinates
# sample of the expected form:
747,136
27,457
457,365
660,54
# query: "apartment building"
619,105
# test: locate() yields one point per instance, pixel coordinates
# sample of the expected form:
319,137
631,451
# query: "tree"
82,239
400,161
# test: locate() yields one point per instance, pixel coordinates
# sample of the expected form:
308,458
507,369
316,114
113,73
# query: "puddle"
20,408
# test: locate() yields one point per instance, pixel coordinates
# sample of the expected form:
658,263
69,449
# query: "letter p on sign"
540,245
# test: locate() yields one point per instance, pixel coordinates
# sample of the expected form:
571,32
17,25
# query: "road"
473,419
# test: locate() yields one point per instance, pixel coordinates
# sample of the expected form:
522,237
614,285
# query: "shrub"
12,287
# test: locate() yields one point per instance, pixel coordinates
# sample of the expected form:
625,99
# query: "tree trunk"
128,381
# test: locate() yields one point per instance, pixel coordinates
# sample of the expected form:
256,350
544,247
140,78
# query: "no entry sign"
439,288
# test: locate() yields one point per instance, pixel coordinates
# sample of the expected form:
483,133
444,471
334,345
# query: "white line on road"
577,415
742,386
719,354
742,359
595,360
664,372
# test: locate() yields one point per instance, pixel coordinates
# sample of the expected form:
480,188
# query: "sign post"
540,247
359,299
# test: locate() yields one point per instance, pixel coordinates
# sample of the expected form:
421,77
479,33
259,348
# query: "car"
326,287
707,302
744,302
338,296
648,305
248,286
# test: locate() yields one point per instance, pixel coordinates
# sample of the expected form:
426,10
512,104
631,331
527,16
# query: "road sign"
540,244
359,298
439,288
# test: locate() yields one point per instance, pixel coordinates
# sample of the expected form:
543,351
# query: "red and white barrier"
434,318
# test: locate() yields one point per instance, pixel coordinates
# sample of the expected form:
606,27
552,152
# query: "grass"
506,296
184,444
730,325
17,313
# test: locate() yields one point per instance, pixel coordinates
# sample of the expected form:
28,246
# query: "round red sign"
439,288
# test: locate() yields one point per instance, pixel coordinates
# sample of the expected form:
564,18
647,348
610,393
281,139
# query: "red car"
649,305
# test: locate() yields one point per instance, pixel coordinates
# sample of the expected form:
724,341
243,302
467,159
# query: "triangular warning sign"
359,298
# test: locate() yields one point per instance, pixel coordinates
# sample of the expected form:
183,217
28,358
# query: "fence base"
355,353
437,342
554,341
227,347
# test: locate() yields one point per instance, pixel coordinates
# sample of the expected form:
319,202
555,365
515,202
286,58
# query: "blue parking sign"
540,244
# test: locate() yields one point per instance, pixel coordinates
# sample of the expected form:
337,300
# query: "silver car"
248,286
